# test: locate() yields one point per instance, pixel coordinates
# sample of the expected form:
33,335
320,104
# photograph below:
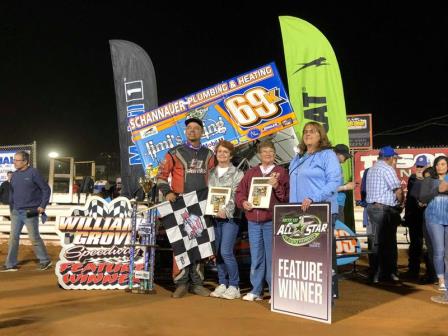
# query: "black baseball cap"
343,150
196,120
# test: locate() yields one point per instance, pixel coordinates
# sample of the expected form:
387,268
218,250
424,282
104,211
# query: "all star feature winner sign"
95,251
301,261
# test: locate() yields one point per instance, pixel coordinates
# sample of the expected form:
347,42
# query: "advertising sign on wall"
240,110
6,164
405,165
95,245
301,261
360,131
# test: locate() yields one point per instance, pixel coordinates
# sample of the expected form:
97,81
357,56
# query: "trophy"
146,183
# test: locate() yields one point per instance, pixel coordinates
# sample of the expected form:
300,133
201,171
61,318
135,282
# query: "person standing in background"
434,192
4,189
384,200
414,219
343,153
29,196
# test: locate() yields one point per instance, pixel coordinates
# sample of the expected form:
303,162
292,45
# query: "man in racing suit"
188,165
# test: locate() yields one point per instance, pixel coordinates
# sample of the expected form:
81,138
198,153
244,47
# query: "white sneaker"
251,297
442,287
232,293
219,291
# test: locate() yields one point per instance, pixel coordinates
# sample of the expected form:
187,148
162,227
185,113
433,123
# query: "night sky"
57,80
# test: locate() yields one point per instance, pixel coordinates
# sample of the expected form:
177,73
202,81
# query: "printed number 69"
249,108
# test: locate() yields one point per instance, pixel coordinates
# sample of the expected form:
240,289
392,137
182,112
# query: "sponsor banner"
405,165
241,109
6,164
301,261
345,249
95,241
136,92
314,79
360,131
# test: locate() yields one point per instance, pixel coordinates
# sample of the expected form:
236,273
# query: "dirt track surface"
31,303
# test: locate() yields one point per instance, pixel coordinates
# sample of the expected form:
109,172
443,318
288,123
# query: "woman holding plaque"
227,176
315,175
260,189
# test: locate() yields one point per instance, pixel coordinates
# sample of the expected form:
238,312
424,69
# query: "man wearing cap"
188,165
384,200
414,220
343,154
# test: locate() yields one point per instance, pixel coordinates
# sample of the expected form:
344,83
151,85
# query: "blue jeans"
260,240
384,221
439,239
18,219
226,232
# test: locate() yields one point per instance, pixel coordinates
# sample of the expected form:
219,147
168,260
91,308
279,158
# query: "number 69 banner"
240,110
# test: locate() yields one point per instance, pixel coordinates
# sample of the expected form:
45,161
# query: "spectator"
434,192
29,195
225,174
315,175
188,165
343,153
413,218
4,189
260,220
384,198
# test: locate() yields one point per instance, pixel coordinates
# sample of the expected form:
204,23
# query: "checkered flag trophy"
190,233
147,239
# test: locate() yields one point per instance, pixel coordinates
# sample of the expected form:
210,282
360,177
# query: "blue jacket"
316,176
28,190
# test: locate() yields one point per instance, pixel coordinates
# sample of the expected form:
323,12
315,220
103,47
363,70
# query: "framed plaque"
260,192
217,199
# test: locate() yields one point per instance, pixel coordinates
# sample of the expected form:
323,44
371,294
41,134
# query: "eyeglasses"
17,160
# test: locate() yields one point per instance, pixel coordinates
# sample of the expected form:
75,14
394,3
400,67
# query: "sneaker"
180,291
45,266
232,293
442,287
9,269
200,290
251,297
394,277
219,291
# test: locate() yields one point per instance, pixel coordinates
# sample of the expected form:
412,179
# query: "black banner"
136,92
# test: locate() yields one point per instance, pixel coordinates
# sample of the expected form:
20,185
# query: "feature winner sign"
95,251
240,110
301,261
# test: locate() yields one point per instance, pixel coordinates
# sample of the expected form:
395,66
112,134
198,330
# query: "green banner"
314,81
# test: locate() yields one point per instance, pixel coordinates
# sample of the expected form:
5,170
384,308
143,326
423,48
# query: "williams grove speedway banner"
301,261
95,251
241,109
405,165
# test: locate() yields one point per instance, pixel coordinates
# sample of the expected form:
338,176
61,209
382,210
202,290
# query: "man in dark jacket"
4,189
414,218
29,195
